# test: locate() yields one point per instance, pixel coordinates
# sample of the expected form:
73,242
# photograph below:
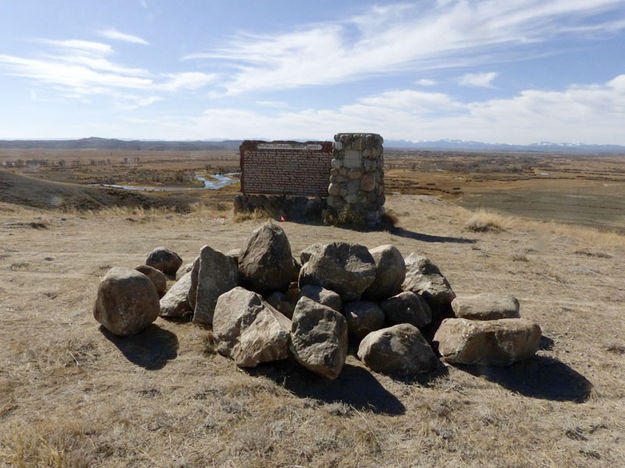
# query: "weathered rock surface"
156,276
127,302
175,303
390,272
399,351
322,296
195,274
319,338
348,269
363,317
249,330
407,307
305,254
424,278
266,263
217,274
492,342
281,302
486,306
164,260
234,253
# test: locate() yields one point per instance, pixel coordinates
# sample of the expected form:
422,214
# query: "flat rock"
407,307
127,302
156,276
390,272
486,306
217,274
249,330
492,342
322,296
424,278
348,269
265,263
399,351
363,317
319,338
175,303
164,260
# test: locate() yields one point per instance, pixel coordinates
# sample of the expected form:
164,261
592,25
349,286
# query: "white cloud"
84,47
426,82
592,114
186,80
482,80
400,37
116,35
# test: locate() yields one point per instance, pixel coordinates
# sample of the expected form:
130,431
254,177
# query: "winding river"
214,182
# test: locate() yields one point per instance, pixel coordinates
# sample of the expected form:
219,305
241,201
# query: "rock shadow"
355,386
546,343
401,232
150,349
541,377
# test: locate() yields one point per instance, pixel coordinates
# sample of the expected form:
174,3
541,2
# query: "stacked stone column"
356,190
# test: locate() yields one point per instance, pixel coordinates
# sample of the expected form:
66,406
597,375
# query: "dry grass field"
73,395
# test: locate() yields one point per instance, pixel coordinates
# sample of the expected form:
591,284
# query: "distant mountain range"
204,145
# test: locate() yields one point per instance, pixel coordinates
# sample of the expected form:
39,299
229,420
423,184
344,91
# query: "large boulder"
399,351
390,272
266,263
319,338
217,274
164,260
127,302
486,306
407,307
424,278
195,274
309,251
156,276
348,269
249,330
363,317
493,342
322,296
175,303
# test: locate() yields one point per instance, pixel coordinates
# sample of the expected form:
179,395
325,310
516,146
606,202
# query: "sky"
514,71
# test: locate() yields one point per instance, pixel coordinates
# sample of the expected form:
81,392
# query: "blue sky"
515,71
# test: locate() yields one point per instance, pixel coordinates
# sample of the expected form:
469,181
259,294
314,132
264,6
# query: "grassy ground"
73,395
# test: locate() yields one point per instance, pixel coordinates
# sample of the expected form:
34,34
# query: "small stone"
424,278
156,276
127,302
322,296
367,183
486,306
334,189
491,342
319,338
305,254
175,303
363,317
164,260
399,351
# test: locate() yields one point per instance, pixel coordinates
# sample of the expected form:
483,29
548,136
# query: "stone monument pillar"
356,190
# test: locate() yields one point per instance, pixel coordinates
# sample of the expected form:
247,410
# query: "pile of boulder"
262,304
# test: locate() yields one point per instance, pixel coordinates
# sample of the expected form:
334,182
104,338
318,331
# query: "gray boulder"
266,263
363,317
156,276
217,274
175,303
305,254
399,351
164,260
281,302
322,296
348,269
424,278
127,302
249,330
486,306
492,342
195,273
319,338
390,272
407,307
